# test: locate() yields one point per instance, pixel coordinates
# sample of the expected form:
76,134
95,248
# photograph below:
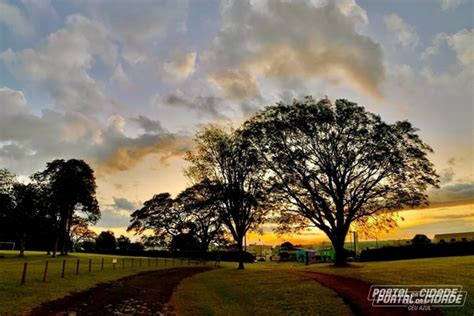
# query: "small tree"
287,246
337,164
123,243
420,240
106,241
234,168
194,212
162,215
80,232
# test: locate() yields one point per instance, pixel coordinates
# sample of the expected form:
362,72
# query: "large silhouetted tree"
335,164
69,187
234,168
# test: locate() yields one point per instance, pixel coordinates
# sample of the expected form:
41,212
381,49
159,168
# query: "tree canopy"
334,164
69,187
193,214
233,167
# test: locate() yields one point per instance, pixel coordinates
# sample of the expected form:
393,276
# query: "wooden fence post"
156,261
45,271
140,264
132,263
23,276
77,267
90,264
102,265
123,263
148,262
165,262
64,268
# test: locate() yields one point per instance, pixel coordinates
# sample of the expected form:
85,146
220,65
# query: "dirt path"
354,293
143,294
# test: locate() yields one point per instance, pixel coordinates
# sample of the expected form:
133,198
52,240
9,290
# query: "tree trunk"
55,244
22,247
340,256
241,253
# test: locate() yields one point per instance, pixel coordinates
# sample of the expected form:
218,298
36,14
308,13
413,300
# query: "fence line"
63,267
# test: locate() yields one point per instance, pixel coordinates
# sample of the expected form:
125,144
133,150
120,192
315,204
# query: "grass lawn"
263,288
430,271
254,291
15,298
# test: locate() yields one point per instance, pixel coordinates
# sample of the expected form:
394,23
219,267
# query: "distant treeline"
418,251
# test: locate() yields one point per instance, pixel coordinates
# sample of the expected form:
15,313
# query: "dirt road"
143,294
354,293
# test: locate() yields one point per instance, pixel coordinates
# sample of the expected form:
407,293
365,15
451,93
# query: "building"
307,256
454,237
260,251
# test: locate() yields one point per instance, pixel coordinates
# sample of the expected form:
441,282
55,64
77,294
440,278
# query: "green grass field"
263,288
254,292
430,271
15,298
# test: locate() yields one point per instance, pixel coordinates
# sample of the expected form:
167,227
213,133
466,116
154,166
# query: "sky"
125,85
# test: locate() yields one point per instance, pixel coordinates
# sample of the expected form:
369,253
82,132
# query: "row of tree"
44,210
306,164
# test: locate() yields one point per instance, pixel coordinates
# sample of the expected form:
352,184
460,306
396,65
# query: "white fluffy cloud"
12,102
139,25
462,43
291,41
182,67
28,141
62,64
401,32
14,19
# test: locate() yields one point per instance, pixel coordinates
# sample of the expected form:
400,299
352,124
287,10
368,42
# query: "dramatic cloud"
453,192
25,137
134,150
401,32
291,41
